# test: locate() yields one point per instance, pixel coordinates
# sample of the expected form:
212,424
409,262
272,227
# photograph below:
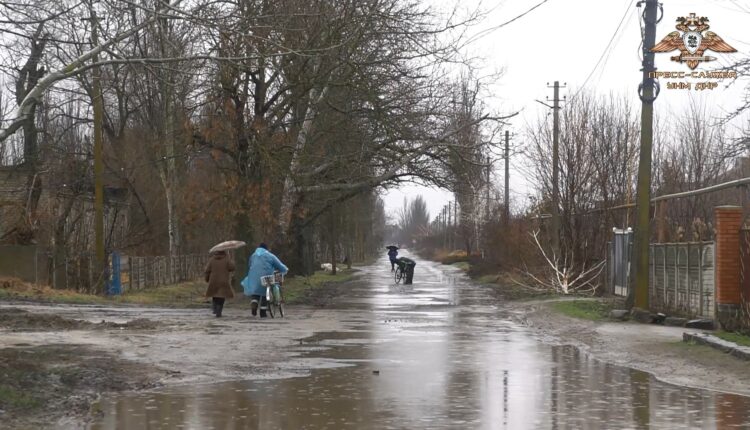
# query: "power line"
491,29
611,39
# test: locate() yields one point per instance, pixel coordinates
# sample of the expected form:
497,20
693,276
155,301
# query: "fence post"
727,254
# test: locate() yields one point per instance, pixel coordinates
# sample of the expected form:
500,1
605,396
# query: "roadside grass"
15,398
185,294
592,310
12,289
463,265
297,289
738,338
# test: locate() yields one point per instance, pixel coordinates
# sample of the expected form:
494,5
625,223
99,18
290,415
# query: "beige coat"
219,277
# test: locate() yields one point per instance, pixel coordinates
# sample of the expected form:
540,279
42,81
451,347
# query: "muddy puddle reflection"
413,362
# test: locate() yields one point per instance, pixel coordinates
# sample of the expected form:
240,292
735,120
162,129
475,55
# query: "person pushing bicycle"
392,254
261,263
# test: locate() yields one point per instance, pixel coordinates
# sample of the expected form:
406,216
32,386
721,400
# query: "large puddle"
433,355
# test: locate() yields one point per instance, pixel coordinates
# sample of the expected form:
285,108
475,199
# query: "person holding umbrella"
219,274
392,254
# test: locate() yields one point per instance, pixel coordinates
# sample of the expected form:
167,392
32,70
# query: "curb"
741,352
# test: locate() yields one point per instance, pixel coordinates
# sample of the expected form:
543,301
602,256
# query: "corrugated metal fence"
681,278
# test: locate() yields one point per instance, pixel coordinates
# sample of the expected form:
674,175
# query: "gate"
619,261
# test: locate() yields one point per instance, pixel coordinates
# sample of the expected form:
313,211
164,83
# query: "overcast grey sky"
563,40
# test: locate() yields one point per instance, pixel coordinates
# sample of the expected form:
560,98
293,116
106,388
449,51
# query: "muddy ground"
55,360
655,349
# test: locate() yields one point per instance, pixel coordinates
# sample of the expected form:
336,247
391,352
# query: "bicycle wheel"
280,310
399,275
269,302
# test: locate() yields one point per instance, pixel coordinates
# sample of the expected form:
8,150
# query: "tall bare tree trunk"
168,171
288,193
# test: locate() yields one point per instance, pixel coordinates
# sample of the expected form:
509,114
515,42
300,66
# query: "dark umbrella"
391,247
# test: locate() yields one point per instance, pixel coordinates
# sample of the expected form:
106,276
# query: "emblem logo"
694,41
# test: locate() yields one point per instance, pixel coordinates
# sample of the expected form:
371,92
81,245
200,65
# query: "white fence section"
681,278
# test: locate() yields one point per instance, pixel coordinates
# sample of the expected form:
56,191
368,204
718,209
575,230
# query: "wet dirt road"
436,354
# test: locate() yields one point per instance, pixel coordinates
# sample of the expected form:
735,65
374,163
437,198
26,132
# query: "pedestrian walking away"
219,277
261,263
392,254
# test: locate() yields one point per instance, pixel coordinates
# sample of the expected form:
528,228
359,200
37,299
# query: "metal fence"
681,278
145,272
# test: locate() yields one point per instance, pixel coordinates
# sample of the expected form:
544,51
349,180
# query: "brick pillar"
728,223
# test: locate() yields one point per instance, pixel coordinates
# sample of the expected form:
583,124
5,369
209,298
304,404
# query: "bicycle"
400,272
273,293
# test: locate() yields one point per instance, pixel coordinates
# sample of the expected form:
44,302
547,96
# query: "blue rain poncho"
261,263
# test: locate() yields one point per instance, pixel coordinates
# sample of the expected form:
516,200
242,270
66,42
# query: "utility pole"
455,219
98,157
487,192
638,293
450,223
556,167
445,228
506,217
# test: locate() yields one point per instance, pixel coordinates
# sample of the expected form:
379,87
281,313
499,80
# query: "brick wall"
728,223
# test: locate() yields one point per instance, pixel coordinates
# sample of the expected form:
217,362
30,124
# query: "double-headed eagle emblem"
693,42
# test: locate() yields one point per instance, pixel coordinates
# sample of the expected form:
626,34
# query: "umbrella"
391,247
230,244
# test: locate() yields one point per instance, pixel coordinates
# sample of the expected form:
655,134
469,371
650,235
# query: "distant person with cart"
219,275
261,263
392,254
407,266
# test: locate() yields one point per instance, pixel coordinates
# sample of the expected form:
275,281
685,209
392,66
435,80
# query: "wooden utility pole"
98,158
506,217
556,167
638,293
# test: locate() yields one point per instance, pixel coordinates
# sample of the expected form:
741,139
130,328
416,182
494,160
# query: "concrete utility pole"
506,217
556,167
98,158
638,292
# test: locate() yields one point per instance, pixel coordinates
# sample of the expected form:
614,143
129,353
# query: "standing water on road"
435,354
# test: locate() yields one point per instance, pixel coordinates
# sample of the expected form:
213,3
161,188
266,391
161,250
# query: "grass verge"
592,310
739,339
463,265
311,289
297,290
